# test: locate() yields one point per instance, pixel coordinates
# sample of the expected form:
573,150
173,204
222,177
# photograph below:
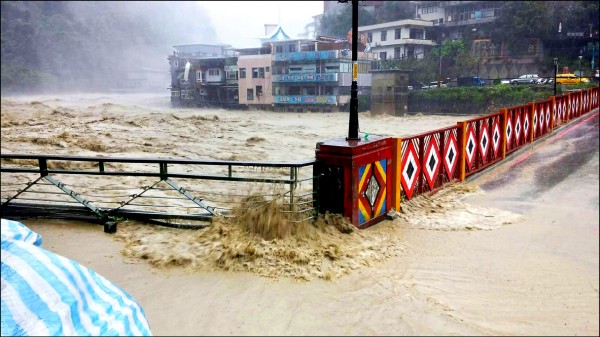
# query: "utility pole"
353,124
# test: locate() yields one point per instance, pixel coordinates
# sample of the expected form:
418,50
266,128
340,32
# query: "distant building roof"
277,35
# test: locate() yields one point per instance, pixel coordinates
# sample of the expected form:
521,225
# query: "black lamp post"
555,70
353,123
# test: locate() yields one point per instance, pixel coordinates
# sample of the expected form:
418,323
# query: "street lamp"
555,71
353,122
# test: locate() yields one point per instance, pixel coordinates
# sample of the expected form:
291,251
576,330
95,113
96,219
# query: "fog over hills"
55,46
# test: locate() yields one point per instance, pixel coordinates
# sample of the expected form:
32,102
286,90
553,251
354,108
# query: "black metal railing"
152,188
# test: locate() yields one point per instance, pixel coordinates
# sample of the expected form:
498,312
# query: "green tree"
338,24
518,21
394,11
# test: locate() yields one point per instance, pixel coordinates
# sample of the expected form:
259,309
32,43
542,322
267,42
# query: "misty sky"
240,23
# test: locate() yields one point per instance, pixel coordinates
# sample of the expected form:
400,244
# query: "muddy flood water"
477,258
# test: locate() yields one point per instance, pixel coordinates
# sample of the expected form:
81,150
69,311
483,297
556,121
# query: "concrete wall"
389,92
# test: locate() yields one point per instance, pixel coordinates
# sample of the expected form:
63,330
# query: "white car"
434,84
525,79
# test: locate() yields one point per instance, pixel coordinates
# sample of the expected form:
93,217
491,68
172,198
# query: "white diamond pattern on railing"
508,131
564,109
484,141
410,170
526,126
541,119
535,120
450,155
471,147
518,128
548,116
496,137
432,162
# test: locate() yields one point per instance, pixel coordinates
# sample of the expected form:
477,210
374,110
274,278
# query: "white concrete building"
400,39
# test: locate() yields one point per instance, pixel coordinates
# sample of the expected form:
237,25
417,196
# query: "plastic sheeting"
44,293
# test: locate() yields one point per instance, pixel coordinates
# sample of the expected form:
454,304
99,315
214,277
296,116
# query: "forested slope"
88,45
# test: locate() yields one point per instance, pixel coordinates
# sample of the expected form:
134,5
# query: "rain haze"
511,250
97,46
243,23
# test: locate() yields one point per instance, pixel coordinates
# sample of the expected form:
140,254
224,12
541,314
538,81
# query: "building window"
267,69
370,37
279,49
383,55
231,75
332,68
259,91
295,69
242,72
417,34
397,33
429,9
397,52
384,35
292,48
213,72
198,76
250,94
258,72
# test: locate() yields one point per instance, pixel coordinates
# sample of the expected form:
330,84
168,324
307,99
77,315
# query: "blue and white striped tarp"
13,230
44,293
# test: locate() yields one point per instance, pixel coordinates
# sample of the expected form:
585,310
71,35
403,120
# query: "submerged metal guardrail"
110,188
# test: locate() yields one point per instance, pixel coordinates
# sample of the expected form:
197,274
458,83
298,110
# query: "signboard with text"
331,77
307,55
305,100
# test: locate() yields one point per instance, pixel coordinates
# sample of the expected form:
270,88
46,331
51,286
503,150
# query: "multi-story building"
203,75
284,74
299,75
400,39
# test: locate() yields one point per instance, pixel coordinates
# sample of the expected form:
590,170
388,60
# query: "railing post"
569,110
163,171
554,112
531,134
397,173
504,120
43,164
462,135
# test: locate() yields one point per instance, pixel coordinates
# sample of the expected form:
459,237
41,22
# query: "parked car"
434,84
570,79
465,81
525,79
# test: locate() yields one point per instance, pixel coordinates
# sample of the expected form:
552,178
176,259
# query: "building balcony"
401,42
468,22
